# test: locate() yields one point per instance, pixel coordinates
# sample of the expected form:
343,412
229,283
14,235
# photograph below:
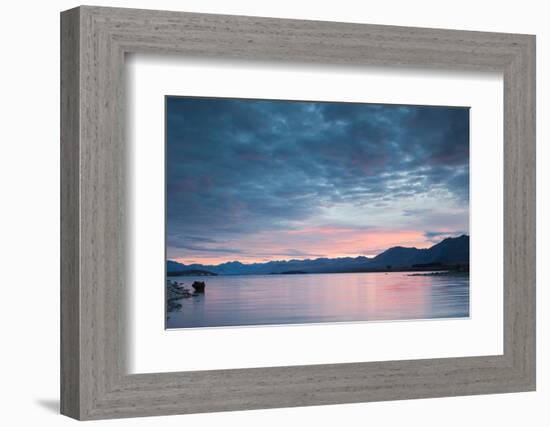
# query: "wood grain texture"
95,383
70,291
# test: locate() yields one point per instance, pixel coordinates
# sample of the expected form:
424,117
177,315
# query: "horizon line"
314,259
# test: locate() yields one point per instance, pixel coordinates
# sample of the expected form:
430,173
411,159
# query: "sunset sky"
257,180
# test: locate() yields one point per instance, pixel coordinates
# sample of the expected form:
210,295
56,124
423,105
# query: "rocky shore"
176,291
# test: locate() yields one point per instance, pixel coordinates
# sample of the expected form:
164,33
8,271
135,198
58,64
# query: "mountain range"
450,251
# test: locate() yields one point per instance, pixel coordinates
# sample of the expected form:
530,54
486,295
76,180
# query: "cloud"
437,236
200,239
238,167
203,249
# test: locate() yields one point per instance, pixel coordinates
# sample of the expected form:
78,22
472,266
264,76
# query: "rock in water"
199,286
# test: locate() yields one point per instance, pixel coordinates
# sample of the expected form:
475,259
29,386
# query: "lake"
319,298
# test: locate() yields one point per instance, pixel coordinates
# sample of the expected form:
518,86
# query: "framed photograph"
262,213
277,210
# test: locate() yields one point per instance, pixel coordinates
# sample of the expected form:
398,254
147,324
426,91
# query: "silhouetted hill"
453,250
450,251
397,256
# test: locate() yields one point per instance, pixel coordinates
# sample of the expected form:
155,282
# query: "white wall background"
29,216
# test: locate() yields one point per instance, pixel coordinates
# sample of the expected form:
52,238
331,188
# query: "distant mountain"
450,251
319,265
184,272
453,250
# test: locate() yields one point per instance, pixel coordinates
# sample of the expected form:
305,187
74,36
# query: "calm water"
315,298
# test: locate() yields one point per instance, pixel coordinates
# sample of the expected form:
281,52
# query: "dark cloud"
242,166
199,239
437,236
203,249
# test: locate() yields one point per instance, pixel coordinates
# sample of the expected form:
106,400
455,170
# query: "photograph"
301,212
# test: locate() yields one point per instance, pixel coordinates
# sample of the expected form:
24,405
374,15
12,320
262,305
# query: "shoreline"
416,272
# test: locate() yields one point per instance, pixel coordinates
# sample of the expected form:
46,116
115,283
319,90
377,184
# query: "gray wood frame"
94,382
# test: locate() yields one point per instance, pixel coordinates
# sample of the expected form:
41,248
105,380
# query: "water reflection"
316,298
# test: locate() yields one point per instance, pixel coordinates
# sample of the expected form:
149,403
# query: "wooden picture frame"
94,382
